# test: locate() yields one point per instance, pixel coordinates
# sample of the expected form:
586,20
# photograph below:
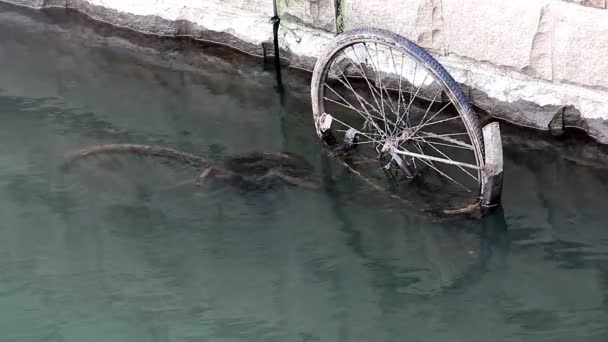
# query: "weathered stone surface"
419,20
590,3
392,14
541,54
580,48
493,31
542,38
245,20
29,3
531,102
316,13
242,24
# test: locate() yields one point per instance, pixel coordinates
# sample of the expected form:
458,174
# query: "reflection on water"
109,259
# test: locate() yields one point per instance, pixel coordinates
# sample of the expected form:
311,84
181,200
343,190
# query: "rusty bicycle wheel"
399,120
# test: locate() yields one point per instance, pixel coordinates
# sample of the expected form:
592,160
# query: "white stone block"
493,31
316,13
418,20
580,51
590,3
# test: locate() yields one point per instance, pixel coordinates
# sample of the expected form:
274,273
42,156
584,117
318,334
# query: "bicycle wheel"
393,110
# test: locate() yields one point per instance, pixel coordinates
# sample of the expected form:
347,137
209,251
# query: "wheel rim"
376,99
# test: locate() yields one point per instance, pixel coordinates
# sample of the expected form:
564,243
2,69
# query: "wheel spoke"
437,159
446,156
379,77
442,144
368,119
400,81
364,142
409,106
440,121
448,134
362,72
376,72
406,111
349,106
362,133
447,139
427,110
431,118
347,84
359,132
430,164
368,133
392,104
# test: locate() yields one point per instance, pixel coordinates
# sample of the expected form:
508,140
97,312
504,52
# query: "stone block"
170,7
494,31
421,21
315,13
28,3
580,48
242,24
590,3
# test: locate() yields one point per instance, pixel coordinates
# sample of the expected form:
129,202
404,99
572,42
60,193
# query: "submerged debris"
258,168
255,170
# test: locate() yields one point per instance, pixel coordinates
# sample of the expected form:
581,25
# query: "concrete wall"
537,63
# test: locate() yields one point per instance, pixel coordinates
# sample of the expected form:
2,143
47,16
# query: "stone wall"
536,63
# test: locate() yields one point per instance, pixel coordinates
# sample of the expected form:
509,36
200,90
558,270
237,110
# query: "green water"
111,259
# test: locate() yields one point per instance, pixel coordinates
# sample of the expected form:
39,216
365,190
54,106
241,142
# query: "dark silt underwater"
102,256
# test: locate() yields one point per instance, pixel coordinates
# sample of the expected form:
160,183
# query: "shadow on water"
103,254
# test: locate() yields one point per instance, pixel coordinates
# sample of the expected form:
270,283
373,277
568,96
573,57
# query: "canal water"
98,254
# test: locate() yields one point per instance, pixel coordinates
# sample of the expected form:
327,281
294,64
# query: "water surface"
108,258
